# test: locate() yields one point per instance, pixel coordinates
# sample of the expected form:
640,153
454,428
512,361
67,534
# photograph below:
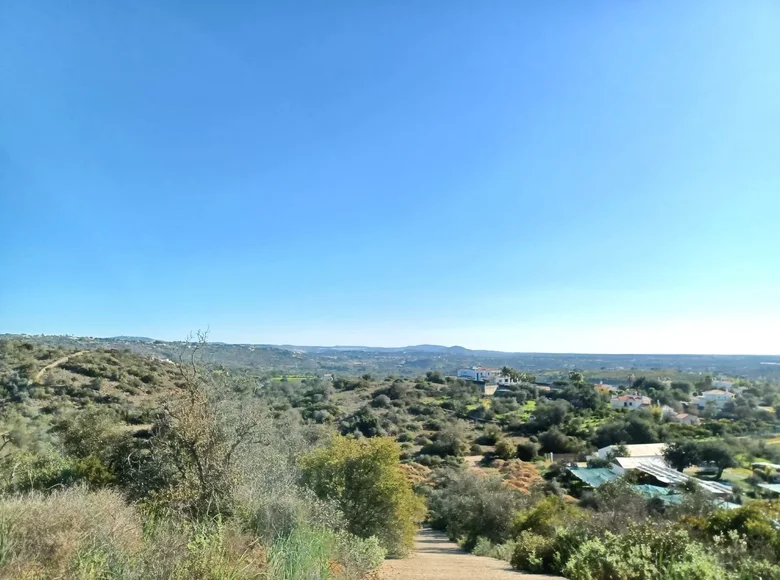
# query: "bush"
555,441
527,451
467,505
364,478
505,450
319,553
488,549
643,553
547,515
533,553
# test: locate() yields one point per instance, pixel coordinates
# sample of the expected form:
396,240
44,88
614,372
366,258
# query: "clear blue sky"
535,176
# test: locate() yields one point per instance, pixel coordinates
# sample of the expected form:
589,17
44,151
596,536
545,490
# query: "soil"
436,558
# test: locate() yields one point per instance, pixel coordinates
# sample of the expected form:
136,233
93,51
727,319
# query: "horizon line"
356,347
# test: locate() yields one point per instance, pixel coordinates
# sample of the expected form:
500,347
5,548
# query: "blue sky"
589,177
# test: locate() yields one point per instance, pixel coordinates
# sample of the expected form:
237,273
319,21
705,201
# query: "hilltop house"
480,374
485,375
630,402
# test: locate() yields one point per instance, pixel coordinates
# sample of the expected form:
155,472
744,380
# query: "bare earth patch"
436,558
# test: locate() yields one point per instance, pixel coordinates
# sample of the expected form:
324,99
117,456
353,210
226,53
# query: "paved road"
436,558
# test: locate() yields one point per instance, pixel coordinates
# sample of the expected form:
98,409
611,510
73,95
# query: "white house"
630,402
481,374
644,450
717,396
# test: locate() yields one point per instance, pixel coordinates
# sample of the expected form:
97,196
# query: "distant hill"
412,360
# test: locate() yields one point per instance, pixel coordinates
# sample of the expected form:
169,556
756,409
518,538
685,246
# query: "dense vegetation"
217,471
188,476
611,533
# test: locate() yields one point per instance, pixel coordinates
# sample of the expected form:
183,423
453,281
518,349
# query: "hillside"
88,415
41,385
411,361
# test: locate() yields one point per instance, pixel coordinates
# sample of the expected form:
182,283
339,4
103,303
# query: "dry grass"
415,472
95,535
518,474
55,535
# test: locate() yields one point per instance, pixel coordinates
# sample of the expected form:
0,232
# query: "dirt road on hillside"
57,363
436,558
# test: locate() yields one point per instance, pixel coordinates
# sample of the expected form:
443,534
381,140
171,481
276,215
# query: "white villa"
485,375
630,402
480,374
717,396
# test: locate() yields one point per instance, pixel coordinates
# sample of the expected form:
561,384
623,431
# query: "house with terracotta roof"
630,402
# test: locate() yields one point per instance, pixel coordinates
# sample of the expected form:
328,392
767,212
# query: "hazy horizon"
211,338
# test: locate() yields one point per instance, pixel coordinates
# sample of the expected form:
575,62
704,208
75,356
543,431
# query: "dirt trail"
57,363
436,558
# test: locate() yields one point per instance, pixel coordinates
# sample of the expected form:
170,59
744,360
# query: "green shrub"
486,548
505,450
482,547
467,506
533,553
364,478
303,554
356,556
527,451
547,515
643,553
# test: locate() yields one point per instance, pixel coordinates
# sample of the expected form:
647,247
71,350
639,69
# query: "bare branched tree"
203,433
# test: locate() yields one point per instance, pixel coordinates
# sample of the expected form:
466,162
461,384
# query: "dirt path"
436,558
57,363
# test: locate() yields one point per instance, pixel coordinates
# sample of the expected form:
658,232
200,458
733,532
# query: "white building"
717,396
630,402
644,450
481,374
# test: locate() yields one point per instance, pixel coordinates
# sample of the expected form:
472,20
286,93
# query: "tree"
718,454
619,450
511,373
681,454
682,386
576,377
435,377
364,478
469,505
200,439
555,441
452,440
505,450
527,451
550,414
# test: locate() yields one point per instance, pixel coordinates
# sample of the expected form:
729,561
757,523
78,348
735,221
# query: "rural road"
57,363
436,558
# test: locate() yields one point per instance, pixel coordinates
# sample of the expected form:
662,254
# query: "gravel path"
436,558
